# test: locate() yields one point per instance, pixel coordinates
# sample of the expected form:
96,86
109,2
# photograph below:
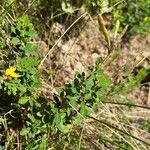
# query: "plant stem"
112,126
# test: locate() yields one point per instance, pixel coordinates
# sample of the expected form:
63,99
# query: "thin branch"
116,128
127,104
51,50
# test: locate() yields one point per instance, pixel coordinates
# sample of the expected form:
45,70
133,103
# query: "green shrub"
134,13
83,93
19,75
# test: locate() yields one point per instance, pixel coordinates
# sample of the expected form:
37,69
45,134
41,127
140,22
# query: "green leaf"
89,83
27,63
1,147
103,80
23,100
57,118
66,7
88,96
32,118
30,48
24,131
15,41
73,100
104,5
85,110
24,28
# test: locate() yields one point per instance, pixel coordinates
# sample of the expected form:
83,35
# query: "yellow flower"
11,72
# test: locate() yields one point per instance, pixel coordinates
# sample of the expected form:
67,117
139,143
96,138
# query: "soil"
78,52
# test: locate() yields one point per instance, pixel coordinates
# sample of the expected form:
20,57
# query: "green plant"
19,75
130,82
84,92
37,122
134,13
21,57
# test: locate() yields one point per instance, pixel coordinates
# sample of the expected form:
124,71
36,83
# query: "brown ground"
77,52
